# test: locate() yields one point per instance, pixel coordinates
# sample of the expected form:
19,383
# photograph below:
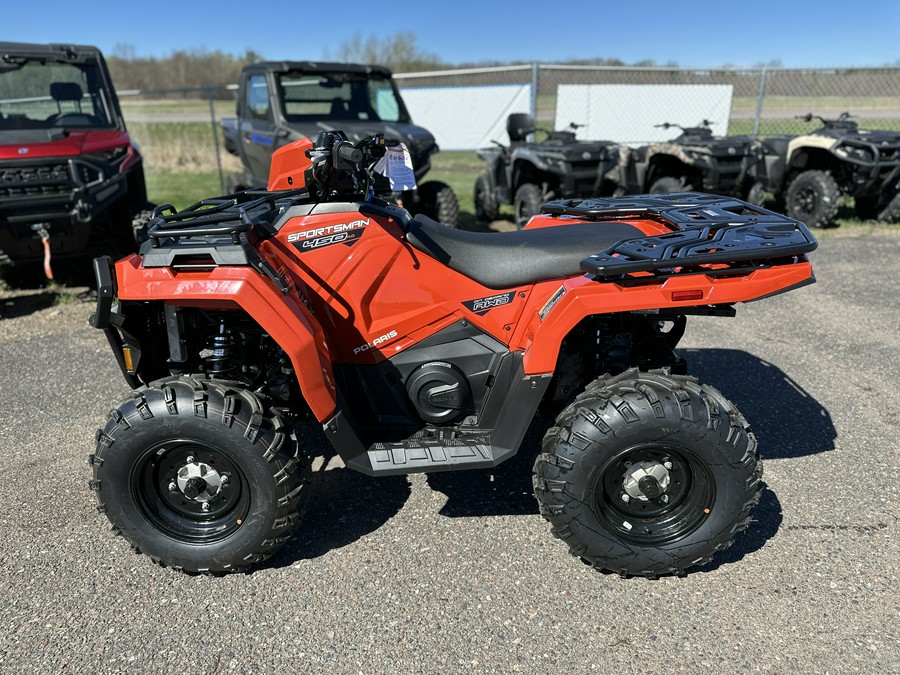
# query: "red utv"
71,180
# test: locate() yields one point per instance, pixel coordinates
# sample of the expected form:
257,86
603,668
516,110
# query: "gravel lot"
458,572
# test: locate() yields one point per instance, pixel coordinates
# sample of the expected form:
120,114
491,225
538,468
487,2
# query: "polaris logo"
23,151
482,306
374,343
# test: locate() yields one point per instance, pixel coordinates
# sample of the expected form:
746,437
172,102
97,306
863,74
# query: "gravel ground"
458,572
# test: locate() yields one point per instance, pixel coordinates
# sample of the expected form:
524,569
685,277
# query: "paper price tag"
397,166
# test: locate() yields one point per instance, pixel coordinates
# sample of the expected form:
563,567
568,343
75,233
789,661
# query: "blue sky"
824,33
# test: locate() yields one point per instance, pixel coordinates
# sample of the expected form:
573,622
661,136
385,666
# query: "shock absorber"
221,362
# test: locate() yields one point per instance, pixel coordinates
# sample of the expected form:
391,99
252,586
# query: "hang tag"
397,166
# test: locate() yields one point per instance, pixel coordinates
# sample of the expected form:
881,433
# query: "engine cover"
438,391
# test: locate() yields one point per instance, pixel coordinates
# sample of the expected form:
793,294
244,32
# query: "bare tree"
398,52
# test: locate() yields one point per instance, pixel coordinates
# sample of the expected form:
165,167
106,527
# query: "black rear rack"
708,229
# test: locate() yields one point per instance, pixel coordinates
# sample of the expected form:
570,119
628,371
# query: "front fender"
282,315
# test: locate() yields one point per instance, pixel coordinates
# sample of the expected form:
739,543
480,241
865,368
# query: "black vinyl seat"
508,259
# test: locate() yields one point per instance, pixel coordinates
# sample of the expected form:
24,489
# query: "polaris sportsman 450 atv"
424,348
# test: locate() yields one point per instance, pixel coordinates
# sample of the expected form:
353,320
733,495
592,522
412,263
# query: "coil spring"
221,363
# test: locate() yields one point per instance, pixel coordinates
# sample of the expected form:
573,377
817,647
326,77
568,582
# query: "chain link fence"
178,130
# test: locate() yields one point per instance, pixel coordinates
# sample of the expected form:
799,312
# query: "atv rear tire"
813,198
528,201
199,476
668,184
486,207
648,474
438,201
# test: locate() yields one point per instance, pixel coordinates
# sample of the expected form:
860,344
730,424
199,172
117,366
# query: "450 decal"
342,233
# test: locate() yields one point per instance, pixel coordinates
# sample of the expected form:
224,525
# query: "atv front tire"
199,476
528,201
813,198
648,474
438,201
486,207
668,184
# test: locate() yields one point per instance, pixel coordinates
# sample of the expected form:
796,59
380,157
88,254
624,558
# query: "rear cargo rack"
707,230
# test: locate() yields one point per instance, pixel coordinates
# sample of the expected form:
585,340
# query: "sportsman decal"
319,237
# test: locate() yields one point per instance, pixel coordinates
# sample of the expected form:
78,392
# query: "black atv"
696,160
813,172
528,174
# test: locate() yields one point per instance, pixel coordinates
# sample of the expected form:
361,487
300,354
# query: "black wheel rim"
163,497
807,200
679,509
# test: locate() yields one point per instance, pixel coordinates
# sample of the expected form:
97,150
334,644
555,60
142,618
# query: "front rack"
228,215
707,230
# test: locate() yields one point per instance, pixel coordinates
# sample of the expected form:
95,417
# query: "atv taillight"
696,294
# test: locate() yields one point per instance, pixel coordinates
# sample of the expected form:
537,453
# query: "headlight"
115,155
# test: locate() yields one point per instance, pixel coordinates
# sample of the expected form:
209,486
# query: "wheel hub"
199,481
646,480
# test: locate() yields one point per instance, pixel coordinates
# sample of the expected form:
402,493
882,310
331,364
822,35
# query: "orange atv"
423,348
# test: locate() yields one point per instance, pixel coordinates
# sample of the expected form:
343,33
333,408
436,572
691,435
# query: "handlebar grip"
350,154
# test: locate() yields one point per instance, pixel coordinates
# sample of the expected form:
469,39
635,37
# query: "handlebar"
341,167
842,119
704,124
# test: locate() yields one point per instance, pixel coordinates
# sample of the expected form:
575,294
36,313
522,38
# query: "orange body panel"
281,315
288,166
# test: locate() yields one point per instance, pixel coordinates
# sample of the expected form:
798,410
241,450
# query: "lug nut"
190,459
664,499
668,465
626,498
205,506
224,479
173,486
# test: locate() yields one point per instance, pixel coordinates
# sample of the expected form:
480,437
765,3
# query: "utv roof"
319,67
50,51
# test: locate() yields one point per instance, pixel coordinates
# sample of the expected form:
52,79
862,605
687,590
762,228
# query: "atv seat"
509,259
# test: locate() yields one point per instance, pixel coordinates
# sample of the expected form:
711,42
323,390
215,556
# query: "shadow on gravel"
13,306
787,421
505,490
345,506
22,305
767,517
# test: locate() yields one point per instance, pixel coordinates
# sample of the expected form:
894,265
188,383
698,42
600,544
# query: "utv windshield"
339,96
38,94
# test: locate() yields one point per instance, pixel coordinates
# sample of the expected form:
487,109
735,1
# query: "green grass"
181,189
181,146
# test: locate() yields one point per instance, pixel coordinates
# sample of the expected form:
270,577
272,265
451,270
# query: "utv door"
257,127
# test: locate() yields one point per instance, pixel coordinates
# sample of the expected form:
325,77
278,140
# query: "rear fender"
282,315
555,308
